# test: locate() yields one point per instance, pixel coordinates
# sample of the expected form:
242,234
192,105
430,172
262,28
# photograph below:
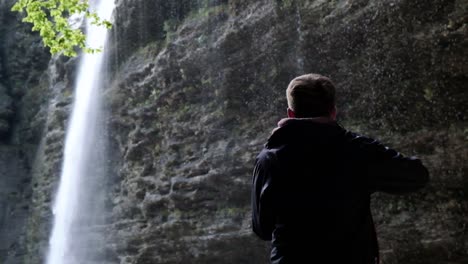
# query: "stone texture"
14,204
23,91
6,111
195,88
190,109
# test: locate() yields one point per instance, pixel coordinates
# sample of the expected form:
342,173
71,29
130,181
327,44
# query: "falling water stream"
78,145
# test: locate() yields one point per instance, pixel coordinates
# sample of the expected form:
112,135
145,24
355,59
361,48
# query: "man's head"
311,95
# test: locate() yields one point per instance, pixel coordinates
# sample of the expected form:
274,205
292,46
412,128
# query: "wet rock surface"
195,89
22,96
190,110
6,111
14,204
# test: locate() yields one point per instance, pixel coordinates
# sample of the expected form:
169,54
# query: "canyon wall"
194,89
23,92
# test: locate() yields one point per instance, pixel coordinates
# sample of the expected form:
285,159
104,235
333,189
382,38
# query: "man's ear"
291,113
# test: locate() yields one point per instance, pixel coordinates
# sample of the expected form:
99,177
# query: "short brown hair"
311,95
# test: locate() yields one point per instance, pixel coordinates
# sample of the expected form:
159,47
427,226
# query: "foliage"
51,19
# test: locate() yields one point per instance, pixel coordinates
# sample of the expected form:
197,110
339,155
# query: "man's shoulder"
270,154
365,146
357,139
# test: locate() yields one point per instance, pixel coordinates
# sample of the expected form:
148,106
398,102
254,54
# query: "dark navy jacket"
311,192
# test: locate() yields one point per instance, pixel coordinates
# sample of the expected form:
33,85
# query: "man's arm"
262,215
388,170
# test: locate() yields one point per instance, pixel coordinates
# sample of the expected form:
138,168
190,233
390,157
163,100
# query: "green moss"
155,92
206,80
190,90
230,212
292,4
428,94
33,238
204,11
150,50
176,214
207,11
170,27
184,110
285,3
202,39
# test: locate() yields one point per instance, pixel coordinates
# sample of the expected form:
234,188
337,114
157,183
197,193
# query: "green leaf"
51,19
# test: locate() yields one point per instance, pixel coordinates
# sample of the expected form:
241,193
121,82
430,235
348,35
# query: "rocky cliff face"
197,86
193,103
22,94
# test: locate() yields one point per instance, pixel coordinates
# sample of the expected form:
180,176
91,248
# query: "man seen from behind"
313,181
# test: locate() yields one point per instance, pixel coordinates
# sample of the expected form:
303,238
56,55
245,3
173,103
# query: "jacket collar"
291,130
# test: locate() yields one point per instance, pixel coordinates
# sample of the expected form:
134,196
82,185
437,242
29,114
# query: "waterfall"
79,148
300,40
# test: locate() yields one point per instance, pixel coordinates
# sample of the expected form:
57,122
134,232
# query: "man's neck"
318,119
